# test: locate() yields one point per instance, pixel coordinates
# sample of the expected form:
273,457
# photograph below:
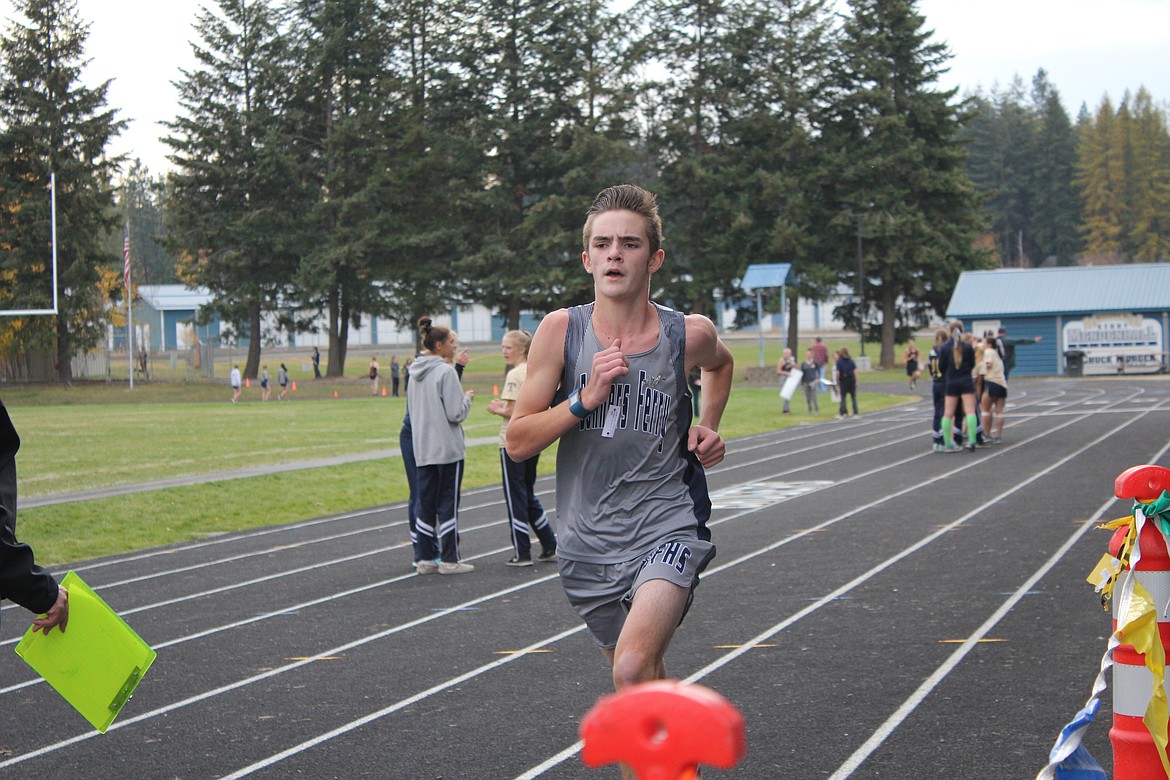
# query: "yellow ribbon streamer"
1139,627
1123,555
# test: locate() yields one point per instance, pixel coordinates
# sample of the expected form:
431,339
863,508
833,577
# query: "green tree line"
1096,191
391,158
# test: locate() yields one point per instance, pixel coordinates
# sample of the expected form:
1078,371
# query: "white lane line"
335,651
398,705
340,649
383,526
907,707
751,644
564,755
323,564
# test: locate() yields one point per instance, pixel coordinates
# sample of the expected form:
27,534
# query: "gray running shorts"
601,593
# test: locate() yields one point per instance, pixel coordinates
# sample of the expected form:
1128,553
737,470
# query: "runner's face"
619,256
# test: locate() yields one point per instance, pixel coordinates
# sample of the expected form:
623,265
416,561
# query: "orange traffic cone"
334,393
495,389
294,386
383,392
247,382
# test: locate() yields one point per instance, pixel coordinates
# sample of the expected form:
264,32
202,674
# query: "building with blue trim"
165,320
1116,316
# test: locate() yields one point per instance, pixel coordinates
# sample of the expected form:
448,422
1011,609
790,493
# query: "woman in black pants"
846,374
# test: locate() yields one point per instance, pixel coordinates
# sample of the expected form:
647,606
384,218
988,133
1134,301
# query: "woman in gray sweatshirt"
438,406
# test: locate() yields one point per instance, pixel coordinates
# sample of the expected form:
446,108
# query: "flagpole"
129,302
53,225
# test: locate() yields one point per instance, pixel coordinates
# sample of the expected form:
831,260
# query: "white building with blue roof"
1116,316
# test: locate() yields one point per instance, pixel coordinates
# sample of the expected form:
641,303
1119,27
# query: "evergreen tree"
700,48
546,73
1149,176
899,165
1021,155
50,124
1100,179
428,174
342,96
783,54
1002,136
139,199
1055,209
233,196
1123,174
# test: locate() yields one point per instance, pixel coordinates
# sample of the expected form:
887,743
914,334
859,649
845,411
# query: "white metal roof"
1024,291
173,297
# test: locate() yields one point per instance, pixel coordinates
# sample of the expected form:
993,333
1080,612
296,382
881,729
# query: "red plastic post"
663,730
1135,755
1143,483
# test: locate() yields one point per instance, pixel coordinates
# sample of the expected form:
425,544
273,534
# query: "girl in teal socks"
957,361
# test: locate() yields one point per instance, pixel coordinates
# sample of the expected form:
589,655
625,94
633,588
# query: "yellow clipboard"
96,663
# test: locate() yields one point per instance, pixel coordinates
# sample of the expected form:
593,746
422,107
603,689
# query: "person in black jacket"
21,580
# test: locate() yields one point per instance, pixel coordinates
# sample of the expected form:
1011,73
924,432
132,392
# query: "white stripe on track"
337,650
569,752
907,708
373,716
752,643
383,526
340,649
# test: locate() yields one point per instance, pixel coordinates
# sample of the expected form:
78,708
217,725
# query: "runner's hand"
707,445
608,365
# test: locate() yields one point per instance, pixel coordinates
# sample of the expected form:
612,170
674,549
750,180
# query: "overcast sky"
1088,47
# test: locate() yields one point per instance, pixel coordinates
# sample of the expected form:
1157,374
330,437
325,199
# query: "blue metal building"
1116,316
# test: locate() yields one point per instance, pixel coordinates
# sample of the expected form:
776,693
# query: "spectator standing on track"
957,361
845,375
438,407
821,356
784,368
608,380
234,381
1007,350
282,380
912,370
994,391
394,376
406,447
938,388
524,508
21,580
810,382
316,363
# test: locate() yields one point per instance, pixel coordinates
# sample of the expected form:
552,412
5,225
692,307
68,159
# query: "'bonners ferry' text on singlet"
625,480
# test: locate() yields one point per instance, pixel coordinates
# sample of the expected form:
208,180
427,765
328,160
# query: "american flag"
126,260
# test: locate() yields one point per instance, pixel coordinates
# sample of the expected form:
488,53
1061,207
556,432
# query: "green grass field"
95,435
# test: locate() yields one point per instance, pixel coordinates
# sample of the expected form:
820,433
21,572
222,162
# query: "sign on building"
1117,343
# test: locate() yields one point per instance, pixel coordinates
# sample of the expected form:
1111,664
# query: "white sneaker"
426,567
455,568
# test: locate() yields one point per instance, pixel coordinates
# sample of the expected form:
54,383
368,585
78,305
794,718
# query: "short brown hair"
627,197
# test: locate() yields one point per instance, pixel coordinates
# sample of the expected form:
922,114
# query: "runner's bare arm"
706,350
534,425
